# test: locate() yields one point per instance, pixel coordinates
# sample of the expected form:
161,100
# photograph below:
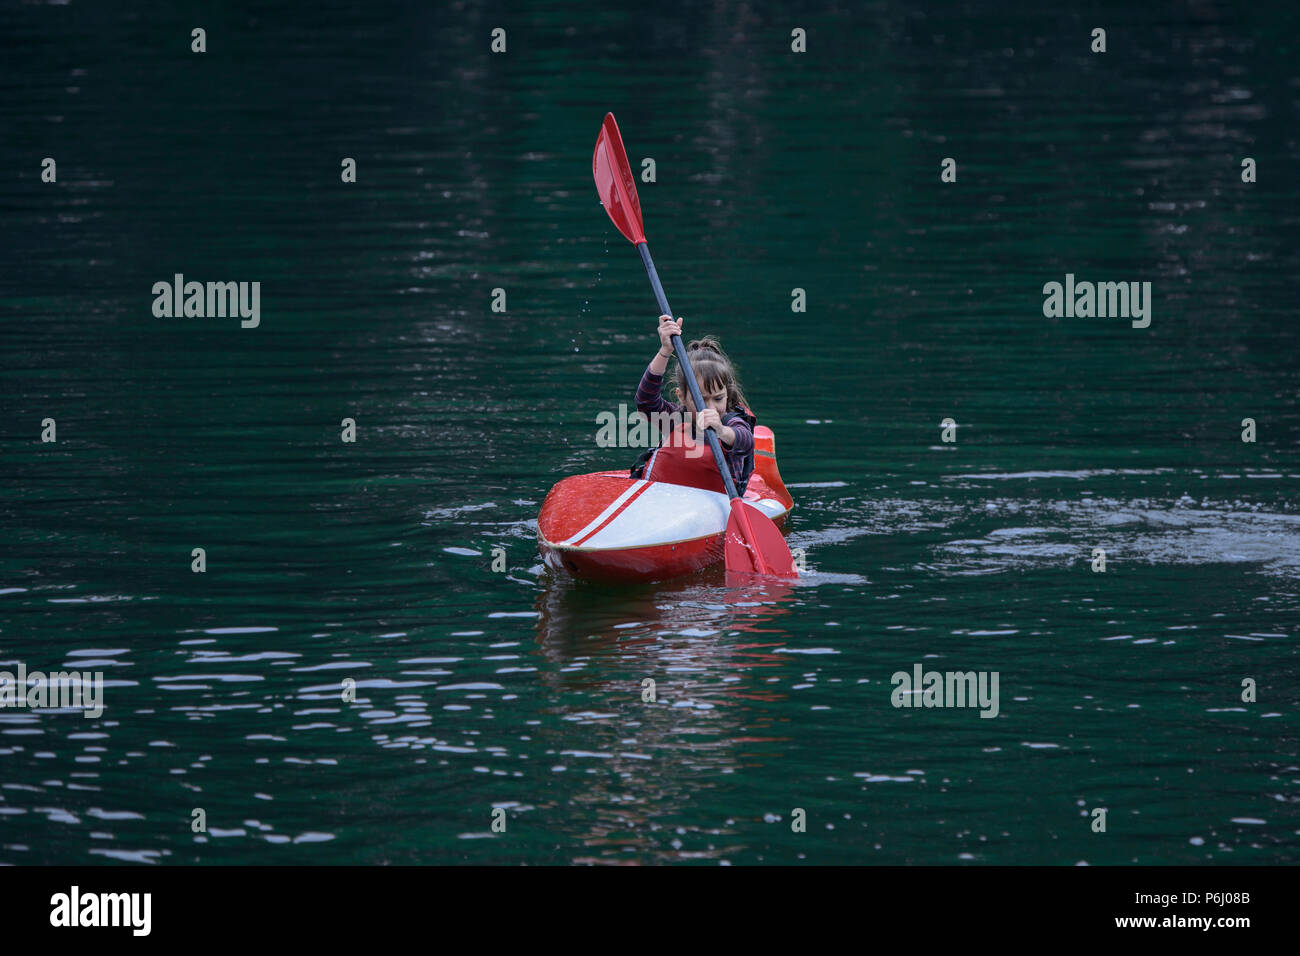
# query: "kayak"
608,526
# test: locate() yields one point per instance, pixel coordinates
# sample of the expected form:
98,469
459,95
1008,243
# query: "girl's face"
715,397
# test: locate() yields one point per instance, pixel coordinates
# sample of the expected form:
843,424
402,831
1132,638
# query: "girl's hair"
713,370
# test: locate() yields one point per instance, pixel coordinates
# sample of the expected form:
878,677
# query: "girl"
725,410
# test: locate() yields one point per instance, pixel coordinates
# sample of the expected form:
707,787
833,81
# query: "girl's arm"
742,442
667,329
659,364
648,399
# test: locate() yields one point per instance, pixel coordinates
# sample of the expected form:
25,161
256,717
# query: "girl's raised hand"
668,327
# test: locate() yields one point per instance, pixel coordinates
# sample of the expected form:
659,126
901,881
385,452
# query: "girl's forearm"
659,364
742,441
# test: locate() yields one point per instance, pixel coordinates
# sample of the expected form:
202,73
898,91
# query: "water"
371,561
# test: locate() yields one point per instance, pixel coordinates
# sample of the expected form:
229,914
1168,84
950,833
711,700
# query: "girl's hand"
708,419
667,329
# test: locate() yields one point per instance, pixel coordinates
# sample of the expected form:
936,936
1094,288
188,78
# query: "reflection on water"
676,665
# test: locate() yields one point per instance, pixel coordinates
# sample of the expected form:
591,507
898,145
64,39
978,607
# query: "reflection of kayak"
575,619
608,526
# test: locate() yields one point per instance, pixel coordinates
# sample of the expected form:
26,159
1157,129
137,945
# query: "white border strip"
612,507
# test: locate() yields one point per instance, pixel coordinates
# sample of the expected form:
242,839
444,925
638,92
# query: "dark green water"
520,690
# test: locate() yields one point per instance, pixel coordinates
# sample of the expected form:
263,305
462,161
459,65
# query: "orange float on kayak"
607,526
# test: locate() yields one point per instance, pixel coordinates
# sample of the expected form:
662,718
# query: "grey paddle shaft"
680,351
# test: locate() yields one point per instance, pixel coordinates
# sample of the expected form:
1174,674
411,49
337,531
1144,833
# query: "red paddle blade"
614,181
754,545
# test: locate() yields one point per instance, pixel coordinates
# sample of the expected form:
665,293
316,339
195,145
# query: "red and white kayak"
611,527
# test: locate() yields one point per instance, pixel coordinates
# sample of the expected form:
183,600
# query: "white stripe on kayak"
613,506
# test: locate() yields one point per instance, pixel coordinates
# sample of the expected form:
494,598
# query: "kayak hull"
609,527
635,564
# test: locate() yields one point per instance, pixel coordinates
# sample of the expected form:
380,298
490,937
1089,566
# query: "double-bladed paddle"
754,545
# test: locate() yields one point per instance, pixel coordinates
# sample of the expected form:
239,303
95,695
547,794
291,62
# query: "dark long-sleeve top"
649,401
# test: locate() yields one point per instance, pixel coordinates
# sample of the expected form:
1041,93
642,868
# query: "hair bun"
706,344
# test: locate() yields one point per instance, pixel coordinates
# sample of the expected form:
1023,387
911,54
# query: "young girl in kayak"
725,409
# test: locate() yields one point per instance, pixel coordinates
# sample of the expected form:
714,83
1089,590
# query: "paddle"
754,545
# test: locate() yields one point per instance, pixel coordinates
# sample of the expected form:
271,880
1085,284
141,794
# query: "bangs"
711,384
711,375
